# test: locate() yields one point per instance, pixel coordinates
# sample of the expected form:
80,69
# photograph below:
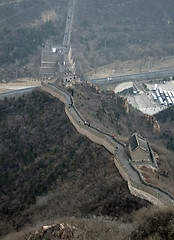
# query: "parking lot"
144,100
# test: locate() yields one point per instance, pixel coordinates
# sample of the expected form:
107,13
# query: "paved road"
120,149
17,93
133,77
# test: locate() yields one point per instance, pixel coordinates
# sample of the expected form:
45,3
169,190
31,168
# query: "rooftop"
137,141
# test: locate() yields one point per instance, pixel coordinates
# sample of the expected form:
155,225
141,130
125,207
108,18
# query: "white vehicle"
155,87
169,93
165,93
165,103
157,93
169,101
161,101
160,90
154,96
172,99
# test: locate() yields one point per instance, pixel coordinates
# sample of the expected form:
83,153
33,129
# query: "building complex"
58,58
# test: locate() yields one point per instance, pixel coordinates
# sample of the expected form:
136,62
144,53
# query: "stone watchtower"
139,149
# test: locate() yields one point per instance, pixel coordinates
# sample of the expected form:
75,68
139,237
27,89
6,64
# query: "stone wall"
84,130
93,136
144,195
120,169
45,88
138,189
143,190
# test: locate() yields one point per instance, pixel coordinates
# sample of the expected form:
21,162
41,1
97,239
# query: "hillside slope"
25,26
158,225
112,113
166,121
118,30
51,170
104,32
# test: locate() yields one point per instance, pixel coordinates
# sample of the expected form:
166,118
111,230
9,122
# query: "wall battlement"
138,187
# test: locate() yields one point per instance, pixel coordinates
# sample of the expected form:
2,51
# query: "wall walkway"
136,183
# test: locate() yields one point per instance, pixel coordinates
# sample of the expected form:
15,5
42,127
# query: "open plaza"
149,98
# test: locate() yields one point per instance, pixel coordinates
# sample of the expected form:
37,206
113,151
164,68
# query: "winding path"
136,183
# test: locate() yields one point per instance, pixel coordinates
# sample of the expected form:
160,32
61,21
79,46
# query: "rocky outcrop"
55,231
152,122
123,103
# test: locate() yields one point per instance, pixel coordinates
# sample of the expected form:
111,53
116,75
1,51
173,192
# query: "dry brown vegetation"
154,224
158,225
163,176
48,170
87,191
104,32
25,25
115,31
111,113
38,179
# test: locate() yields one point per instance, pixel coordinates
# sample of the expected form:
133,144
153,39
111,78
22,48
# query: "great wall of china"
59,59
136,183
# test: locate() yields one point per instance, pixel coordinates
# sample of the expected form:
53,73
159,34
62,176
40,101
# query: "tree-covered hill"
104,32
166,120
113,114
123,30
25,26
43,155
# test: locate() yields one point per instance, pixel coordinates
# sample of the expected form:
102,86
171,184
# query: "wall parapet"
142,189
